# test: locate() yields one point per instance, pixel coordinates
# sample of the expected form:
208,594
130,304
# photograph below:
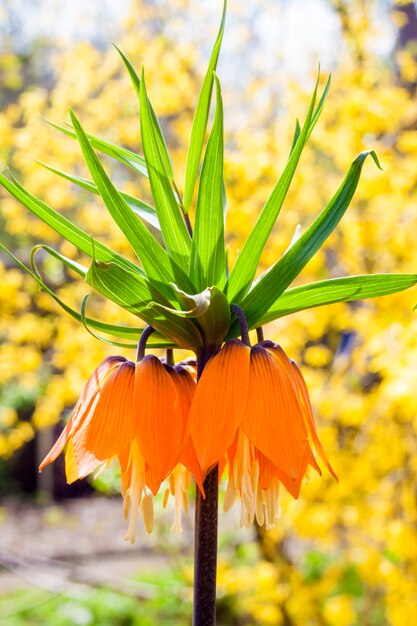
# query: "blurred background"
343,554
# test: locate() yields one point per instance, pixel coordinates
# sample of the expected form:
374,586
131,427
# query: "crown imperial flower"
245,408
252,405
137,413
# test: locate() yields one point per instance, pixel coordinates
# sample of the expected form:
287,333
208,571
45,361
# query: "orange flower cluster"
139,414
249,411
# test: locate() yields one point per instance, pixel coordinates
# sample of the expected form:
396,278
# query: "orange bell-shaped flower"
219,403
139,413
252,403
101,424
162,446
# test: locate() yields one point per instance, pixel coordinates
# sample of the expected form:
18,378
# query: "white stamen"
260,516
230,495
177,525
134,492
147,512
165,498
185,502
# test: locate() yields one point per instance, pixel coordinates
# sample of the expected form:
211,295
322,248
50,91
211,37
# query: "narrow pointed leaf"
199,126
64,227
162,343
274,282
139,297
174,231
345,289
125,156
156,262
142,209
208,258
244,269
111,329
163,150
76,267
297,132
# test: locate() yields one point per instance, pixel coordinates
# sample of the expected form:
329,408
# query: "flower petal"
159,418
109,428
309,417
273,421
185,384
82,407
79,463
268,471
219,403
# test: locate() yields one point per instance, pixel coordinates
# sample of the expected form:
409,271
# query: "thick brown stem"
205,552
205,542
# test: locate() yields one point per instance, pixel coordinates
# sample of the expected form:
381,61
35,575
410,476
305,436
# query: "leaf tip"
73,117
375,158
364,154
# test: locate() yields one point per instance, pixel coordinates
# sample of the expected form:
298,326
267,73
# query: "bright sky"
265,39
295,32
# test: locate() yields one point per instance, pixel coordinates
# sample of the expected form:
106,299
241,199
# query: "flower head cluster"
251,407
249,412
137,412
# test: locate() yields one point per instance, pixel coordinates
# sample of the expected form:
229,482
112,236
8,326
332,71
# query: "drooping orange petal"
231,453
125,470
110,426
221,466
159,419
190,365
185,384
82,407
272,420
219,403
268,471
79,465
292,373
153,479
188,458
287,373
309,417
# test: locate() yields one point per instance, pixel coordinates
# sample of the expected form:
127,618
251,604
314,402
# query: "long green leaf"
142,209
64,227
162,147
274,282
159,267
161,343
123,288
174,232
296,135
334,290
125,156
201,114
244,269
76,267
208,258
134,334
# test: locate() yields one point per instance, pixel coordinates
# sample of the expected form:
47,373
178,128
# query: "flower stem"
260,334
205,552
241,318
205,542
147,332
